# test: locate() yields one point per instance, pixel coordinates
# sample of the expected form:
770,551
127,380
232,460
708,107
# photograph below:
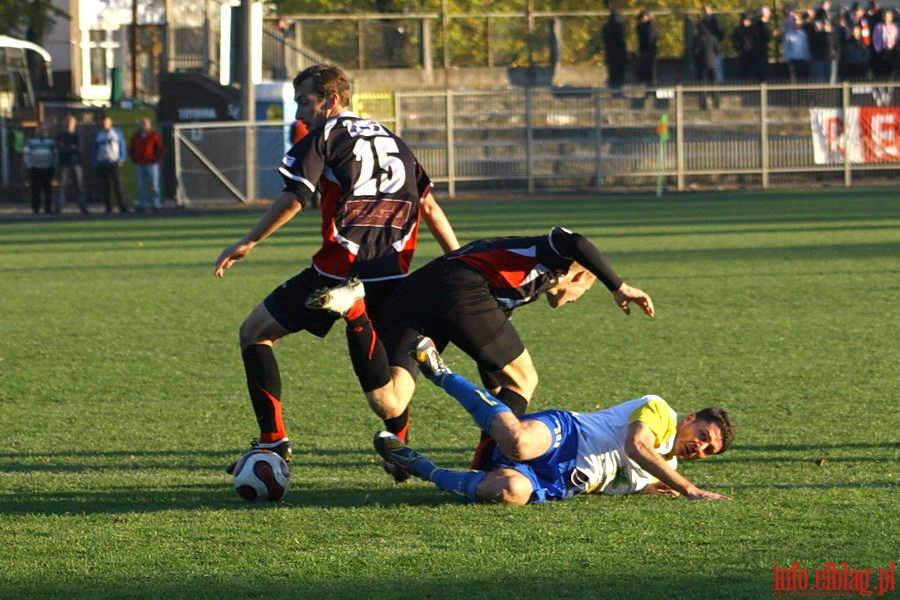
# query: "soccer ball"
261,475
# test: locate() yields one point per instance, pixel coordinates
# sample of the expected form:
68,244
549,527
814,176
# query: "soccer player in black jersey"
373,193
466,297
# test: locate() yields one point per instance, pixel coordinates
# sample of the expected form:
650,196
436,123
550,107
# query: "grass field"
123,399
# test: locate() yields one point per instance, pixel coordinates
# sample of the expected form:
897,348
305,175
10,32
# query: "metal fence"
582,139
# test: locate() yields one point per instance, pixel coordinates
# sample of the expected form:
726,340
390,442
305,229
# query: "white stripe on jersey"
602,465
285,173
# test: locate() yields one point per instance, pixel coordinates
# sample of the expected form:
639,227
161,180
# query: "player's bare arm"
640,446
658,488
282,210
627,294
438,224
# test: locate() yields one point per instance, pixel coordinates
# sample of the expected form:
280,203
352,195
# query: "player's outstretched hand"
705,495
627,294
230,255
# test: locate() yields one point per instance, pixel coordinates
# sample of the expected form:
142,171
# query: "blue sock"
477,401
461,484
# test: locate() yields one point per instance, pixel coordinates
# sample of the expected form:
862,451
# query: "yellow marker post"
662,130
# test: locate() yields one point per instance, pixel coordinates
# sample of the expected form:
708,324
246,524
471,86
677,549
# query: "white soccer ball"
261,475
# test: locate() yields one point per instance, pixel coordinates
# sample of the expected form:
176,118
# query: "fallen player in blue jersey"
553,455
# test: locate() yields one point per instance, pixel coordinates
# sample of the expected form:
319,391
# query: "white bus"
25,77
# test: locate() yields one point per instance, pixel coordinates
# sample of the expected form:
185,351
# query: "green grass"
123,398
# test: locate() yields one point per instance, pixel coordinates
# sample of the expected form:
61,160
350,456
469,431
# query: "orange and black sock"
264,385
370,361
399,426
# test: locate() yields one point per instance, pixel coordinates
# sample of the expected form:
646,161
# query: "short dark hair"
720,417
328,79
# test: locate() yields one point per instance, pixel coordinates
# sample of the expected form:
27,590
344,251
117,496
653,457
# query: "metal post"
248,96
598,136
764,133
445,37
180,197
427,65
4,155
529,137
845,101
169,51
451,145
132,47
679,137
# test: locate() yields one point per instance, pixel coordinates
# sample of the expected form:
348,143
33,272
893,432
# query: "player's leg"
355,302
505,366
462,484
507,486
281,313
258,335
517,439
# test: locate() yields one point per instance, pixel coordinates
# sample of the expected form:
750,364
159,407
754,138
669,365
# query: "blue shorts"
549,474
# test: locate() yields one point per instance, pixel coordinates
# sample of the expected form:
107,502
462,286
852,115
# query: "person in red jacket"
147,150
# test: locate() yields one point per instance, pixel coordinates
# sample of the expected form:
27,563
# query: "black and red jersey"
519,269
371,185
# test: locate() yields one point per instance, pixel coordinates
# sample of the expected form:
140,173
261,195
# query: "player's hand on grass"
658,488
627,294
698,494
230,255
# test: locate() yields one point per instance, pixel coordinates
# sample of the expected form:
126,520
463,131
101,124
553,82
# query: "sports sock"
516,402
264,385
462,484
399,426
477,401
370,361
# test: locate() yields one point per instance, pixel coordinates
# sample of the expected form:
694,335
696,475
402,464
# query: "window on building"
103,44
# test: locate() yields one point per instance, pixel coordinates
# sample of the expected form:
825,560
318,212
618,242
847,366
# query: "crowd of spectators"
815,44
824,45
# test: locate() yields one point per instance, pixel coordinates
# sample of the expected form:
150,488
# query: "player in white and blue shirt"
553,455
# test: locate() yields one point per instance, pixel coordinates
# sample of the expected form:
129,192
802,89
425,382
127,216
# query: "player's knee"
512,440
248,333
505,486
517,490
386,404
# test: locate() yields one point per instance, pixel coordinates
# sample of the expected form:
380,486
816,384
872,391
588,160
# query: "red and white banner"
867,134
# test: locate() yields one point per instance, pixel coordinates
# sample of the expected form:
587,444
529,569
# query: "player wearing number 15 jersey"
373,195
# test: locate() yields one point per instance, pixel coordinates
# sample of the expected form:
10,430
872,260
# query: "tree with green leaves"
29,19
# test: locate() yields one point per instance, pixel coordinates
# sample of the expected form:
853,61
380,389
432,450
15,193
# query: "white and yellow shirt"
602,466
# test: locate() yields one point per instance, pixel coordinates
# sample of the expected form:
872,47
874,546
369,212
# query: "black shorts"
450,302
287,302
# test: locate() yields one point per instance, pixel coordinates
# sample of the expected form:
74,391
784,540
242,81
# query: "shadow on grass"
588,584
210,496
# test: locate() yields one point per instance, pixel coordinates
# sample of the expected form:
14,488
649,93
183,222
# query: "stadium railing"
531,140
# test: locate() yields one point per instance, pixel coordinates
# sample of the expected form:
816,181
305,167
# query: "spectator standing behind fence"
820,46
40,160
146,149
705,51
742,39
710,21
108,154
795,46
855,57
68,148
615,51
761,35
648,39
884,43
